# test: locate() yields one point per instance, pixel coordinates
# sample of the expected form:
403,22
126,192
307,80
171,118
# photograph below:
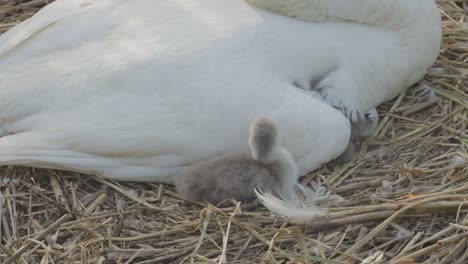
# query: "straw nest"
406,194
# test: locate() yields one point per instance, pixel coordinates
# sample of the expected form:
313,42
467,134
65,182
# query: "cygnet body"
236,175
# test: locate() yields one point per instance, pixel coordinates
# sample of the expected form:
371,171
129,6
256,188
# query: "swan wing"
135,102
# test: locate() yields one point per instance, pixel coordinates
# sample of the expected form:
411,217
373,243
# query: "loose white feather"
301,206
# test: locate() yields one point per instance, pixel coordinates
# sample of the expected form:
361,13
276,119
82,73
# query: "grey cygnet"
268,166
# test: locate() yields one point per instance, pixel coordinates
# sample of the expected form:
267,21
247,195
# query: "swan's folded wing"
46,17
30,149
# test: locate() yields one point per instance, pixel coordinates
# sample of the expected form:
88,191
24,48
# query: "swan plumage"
138,90
363,80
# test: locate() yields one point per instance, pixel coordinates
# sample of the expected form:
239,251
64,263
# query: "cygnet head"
264,140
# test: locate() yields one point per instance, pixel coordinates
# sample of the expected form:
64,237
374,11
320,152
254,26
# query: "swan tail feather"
28,149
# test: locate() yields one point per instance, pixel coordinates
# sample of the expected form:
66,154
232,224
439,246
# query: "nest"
405,193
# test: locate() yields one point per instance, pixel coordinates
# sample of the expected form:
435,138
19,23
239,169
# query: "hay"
406,193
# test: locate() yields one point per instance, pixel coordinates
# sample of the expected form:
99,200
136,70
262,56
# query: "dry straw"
406,194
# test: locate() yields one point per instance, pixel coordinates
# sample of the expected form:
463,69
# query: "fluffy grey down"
236,175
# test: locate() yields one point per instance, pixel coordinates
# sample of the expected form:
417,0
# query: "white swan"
137,90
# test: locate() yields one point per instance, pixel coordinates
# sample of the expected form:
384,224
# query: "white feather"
426,92
301,206
291,208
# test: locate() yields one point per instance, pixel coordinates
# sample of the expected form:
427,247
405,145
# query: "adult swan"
138,89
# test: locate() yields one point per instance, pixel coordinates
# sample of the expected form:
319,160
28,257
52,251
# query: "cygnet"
268,166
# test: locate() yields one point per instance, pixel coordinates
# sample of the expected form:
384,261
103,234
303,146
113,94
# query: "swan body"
268,166
138,90
365,77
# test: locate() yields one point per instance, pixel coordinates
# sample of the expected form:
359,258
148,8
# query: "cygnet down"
268,167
